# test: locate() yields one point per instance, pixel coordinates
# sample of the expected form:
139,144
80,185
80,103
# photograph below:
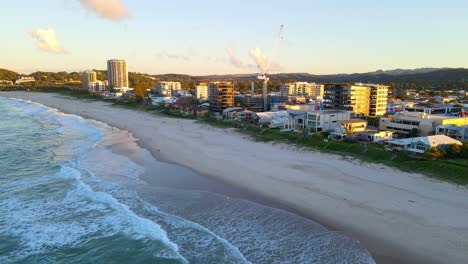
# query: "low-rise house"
6,82
352,126
420,145
455,132
231,113
379,136
272,119
296,121
326,120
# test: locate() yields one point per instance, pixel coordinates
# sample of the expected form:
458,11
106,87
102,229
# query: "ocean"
74,190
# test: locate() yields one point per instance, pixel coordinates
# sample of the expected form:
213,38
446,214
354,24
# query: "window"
421,147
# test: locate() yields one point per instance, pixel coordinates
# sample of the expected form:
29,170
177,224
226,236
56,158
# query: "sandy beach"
399,217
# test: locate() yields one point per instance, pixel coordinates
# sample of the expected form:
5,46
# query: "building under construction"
256,103
220,96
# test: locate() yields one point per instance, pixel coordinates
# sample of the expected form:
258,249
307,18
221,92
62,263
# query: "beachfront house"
296,121
352,126
419,145
326,120
379,136
272,119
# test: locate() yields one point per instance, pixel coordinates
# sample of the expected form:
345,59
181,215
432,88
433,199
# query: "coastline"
399,217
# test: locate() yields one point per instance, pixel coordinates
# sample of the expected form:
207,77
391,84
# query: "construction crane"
264,69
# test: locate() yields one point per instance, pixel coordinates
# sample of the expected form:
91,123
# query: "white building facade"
117,75
201,91
326,120
313,90
165,89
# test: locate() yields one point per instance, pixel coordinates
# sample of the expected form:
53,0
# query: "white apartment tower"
202,91
88,77
117,74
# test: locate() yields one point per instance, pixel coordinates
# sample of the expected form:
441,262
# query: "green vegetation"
7,75
452,170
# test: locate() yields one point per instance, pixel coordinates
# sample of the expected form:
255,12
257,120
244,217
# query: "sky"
202,37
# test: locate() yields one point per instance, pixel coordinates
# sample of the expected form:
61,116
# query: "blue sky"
334,36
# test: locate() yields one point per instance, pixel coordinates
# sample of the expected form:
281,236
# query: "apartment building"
201,91
313,90
117,75
165,89
407,122
88,77
362,99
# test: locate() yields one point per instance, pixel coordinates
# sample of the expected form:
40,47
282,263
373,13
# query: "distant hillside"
7,75
424,78
385,76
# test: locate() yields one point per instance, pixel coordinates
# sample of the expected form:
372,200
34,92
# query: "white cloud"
107,9
263,62
47,41
233,59
173,56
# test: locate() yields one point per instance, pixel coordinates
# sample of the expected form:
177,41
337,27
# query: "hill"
8,75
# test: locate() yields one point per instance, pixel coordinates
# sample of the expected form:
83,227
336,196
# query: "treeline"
433,79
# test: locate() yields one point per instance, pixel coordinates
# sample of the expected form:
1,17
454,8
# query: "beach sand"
399,217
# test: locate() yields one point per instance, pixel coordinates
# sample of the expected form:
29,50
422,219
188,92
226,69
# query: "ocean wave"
79,216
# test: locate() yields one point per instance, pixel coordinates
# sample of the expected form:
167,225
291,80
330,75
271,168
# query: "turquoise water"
66,198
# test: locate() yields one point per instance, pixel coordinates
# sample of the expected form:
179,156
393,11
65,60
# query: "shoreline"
397,216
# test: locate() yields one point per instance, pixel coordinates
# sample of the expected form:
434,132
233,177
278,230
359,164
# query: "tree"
434,154
464,150
454,151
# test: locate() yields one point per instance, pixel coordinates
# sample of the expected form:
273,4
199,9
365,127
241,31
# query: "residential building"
312,90
379,136
361,98
326,120
272,119
444,109
201,91
88,77
97,86
117,74
351,126
256,103
165,89
355,98
6,82
296,121
455,132
221,96
23,79
378,99
417,122
419,145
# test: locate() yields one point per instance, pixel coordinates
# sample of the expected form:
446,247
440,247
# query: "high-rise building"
166,89
378,100
221,96
355,98
117,74
313,90
88,77
202,91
